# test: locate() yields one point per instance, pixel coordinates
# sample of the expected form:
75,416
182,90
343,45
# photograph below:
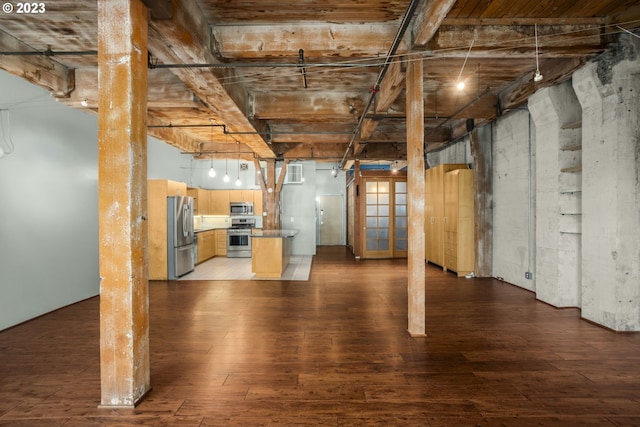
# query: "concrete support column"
416,188
608,91
556,114
122,202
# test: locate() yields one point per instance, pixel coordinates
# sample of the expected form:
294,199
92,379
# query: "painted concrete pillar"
609,92
416,189
556,113
122,202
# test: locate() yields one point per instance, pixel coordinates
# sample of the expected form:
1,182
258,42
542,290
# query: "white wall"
512,251
297,210
328,184
48,205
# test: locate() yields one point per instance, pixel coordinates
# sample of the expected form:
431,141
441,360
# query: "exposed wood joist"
308,105
494,41
184,38
40,70
317,40
165,90
554,71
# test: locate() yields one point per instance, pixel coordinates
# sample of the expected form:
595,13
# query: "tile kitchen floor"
222,268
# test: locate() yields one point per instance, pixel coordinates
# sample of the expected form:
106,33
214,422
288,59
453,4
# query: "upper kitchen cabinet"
219,202
201,204
157,192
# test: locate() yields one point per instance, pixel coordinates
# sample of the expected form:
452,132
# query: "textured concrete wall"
609,92
558,264
512,251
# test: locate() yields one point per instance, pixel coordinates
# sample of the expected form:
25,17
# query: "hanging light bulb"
226,171
238,182
212,172
538,76
460,85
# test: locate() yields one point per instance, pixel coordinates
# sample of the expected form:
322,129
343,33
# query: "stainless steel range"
239,237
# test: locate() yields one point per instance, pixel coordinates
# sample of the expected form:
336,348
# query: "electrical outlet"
528,275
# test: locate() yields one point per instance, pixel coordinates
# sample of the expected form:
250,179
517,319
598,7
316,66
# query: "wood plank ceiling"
315,79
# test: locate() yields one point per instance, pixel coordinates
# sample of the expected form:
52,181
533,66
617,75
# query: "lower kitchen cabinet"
206,245
221,242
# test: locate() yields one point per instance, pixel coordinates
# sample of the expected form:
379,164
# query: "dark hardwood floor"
333,352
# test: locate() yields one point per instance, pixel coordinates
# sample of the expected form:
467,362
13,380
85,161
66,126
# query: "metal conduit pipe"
406,19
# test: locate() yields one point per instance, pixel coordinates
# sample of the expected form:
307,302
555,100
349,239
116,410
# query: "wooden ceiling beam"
316,39
305,105
37,69
428,19
553,71
185,39
495,41
173,136
165,90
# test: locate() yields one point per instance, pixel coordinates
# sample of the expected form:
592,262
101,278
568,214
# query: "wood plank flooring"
332,351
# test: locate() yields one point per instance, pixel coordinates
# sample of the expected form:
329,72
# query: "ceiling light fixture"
226,171
84,102
460,83
538,76
212,172
238,182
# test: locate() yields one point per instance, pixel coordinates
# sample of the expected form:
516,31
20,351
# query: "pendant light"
212,172
538,76
226,171
238,182
460,83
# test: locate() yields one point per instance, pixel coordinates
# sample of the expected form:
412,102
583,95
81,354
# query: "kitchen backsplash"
219,221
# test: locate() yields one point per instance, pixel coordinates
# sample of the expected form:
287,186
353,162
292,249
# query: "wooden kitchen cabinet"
434,211
219,202
200,200
257,202
459,247
157,192
206,245
221,242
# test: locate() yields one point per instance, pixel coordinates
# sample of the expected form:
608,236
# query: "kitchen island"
270,252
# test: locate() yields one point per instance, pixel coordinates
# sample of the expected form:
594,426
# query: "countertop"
201,229
275,233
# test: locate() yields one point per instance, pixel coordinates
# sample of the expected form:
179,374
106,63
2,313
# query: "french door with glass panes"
385,222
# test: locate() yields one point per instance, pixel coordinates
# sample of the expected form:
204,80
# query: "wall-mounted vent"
294,174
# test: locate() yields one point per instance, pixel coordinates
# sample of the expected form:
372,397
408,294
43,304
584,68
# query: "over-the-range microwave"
241,208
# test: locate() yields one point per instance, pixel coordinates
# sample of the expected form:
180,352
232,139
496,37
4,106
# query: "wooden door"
401,220
377,219
329,220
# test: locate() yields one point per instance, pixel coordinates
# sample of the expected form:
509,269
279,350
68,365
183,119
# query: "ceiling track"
406,19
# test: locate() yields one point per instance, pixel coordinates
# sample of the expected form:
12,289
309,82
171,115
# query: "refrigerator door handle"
185,222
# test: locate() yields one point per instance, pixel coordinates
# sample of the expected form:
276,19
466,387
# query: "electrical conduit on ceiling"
406,19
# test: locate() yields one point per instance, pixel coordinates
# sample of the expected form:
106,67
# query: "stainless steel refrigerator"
180,236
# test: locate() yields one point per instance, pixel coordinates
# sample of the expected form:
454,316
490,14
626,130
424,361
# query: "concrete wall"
459,152
558,195
609,93
513,254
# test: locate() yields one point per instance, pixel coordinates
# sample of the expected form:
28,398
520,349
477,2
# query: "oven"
239,238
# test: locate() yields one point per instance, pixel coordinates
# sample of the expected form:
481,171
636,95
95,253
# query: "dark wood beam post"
268,195
415,189
122,199
481,141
